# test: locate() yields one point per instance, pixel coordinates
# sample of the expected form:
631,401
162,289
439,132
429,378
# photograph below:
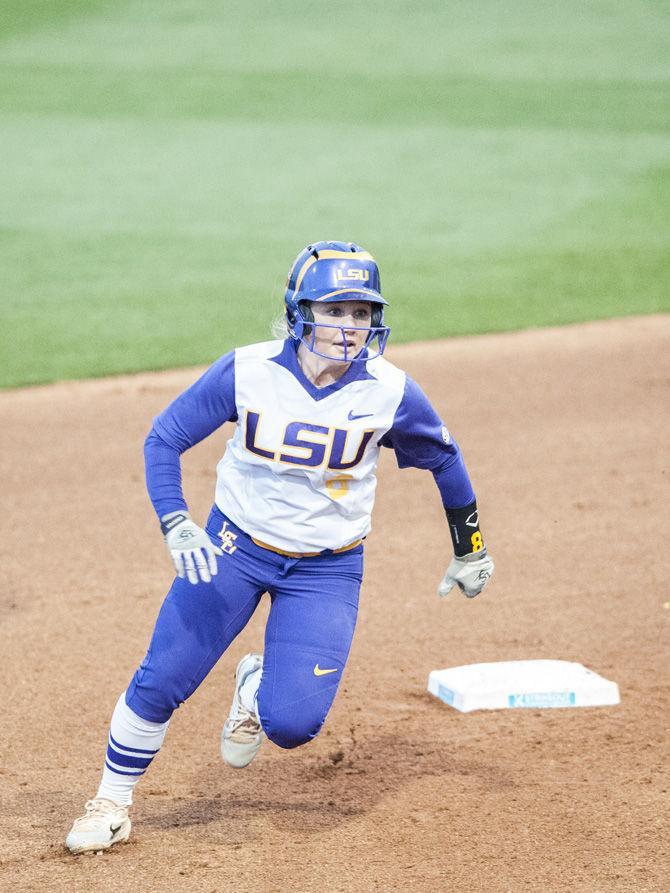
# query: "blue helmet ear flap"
306,311
298,316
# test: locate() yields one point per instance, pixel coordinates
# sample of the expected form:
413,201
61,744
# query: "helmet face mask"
375,339
334,272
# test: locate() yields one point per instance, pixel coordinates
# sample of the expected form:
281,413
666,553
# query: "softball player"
294,493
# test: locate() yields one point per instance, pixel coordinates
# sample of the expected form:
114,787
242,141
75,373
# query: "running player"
294,494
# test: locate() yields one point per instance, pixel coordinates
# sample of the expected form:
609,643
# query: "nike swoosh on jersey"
353,416
319,672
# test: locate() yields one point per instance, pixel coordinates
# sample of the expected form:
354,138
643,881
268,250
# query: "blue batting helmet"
326,272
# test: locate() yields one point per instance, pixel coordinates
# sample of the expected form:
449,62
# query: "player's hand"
193,553
471,573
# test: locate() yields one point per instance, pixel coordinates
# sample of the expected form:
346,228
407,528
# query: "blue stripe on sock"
127,761
120,772
133,749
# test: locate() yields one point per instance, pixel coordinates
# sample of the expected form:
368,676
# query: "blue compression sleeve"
163,475
191,417
453,482
420,439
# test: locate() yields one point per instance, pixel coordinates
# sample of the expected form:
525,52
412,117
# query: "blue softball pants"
314,603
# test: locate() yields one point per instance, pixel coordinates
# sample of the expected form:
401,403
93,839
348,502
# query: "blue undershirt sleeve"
420,439
195,414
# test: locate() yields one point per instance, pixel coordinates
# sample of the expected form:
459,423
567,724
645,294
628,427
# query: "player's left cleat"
242,733
103,824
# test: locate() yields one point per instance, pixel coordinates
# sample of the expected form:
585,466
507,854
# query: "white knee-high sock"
132,744
249,691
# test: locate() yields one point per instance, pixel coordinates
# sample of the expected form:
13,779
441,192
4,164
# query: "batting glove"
193,553
471,572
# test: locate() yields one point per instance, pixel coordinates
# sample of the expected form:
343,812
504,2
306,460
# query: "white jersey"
300,470
299,473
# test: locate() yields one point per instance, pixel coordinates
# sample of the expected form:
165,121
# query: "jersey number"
338,486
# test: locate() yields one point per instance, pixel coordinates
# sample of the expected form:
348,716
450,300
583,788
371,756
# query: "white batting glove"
471,573
193,553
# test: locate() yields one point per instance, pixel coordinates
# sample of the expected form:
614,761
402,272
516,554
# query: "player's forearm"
453,481
460,506
163,475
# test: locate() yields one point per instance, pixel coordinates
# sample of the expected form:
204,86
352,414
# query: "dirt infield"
566,434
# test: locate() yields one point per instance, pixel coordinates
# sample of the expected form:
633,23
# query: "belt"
306,554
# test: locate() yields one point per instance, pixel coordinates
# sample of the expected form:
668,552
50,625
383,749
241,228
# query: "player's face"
354,317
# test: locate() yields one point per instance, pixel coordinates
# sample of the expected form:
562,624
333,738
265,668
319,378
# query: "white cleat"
242,734
103,824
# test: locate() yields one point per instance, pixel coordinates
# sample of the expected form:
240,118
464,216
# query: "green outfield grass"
162,163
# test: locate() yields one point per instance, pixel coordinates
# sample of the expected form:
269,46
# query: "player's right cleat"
103,824
242,733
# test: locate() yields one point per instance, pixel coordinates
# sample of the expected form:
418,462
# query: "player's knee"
154,698
290,730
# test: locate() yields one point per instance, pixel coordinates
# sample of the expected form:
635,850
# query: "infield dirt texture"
567,442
